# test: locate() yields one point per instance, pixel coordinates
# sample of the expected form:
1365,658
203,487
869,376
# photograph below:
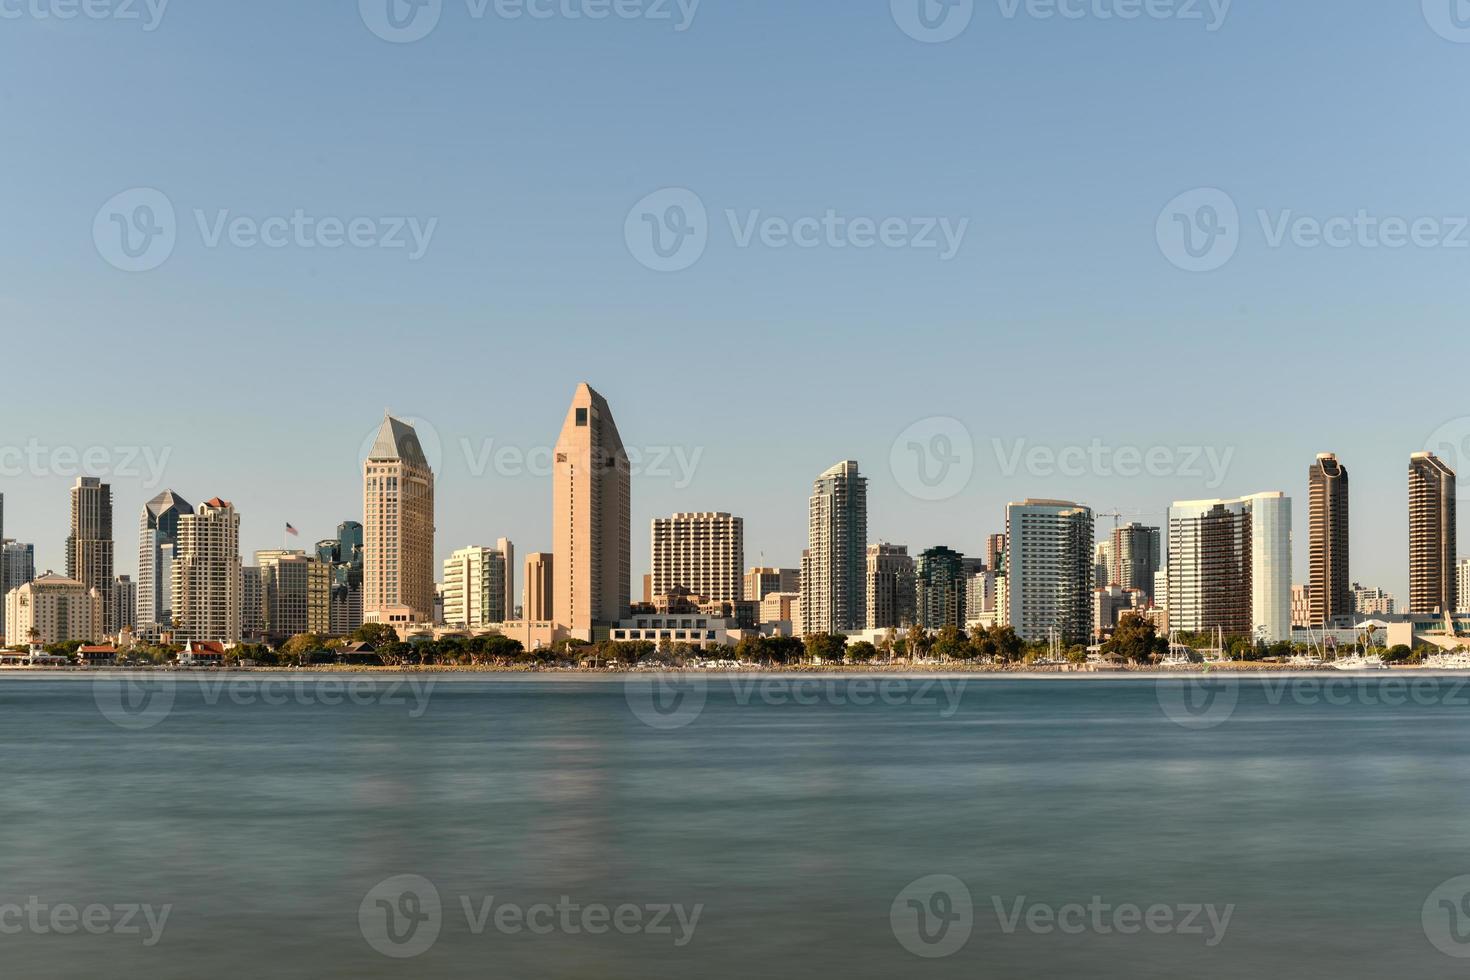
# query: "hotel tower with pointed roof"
591,518
398,528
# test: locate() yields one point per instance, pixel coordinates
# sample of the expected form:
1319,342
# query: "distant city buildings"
1301,606
54,609
540,587
1230,566
941,588
343,555
1049,571
1135,554
980,595
890,585
1432,586
124,605
834,595
701,552
297,593
206,584
158,541
1331,596
591,519
1373,602
89,546
398,527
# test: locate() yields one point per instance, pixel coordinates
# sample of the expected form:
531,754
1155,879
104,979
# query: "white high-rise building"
206,574
1050,570
834,595
1230,566
704,553
475,588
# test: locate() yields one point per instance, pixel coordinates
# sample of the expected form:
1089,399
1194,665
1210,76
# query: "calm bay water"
789,829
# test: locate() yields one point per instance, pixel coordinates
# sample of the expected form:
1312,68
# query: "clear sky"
522,148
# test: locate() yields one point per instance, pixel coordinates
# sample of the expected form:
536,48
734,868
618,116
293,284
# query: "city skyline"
968,536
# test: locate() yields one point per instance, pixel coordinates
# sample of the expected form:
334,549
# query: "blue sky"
256,373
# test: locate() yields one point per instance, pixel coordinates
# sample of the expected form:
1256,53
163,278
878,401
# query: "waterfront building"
1136,555
591,518
54,609
474,588
891,584
1432,585
206,574
398,525
540,587
158,542
297,592
1331,596
701,552
89,546
782,607
17,567
1230,566
834,595
253,615
124,604
1049,571
940,587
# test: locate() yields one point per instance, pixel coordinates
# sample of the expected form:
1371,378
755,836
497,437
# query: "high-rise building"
591,518
54,609
1102,563
507,550
206,574
761,582
834,594
1301,606
343,556
253,614
89,547
17,563
124,604
1136,555
995,547
704,553
1049,571
1432,586
158,541
941,588
297,592
474,588
540,587
1331,596
1462,585
890,586
398,526
1230,566
980,595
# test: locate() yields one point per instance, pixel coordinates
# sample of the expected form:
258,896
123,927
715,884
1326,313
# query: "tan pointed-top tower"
591,518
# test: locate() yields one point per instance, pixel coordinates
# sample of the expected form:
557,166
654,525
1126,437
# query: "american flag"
292,531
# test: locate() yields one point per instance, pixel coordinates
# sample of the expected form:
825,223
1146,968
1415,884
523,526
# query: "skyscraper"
296,589
343,555
206,574
1137,555
704,553
995,546
507,550
1049,571
1230,566
124,604
158,541
398,526
89,547
1330,598
834,594
890,586
1432,587
941,588
591,518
